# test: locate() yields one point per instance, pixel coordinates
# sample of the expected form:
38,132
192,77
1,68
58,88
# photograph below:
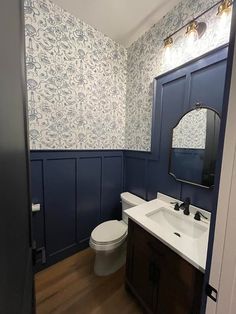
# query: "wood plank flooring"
71,287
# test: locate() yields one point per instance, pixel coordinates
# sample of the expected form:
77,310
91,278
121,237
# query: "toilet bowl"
108,239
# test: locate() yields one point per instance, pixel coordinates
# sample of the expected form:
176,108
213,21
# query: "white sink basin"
183,234
176,224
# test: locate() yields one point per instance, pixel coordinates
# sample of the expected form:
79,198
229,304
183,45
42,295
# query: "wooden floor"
71,287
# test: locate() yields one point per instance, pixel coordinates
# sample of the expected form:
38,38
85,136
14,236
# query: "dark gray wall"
15,257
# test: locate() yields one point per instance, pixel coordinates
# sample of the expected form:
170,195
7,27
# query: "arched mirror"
194,147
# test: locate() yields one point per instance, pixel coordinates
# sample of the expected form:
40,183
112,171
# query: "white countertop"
192,249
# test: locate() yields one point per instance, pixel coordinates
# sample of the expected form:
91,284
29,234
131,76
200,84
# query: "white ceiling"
122,20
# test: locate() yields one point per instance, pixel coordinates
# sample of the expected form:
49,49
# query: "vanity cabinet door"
181,287
142,271
161,280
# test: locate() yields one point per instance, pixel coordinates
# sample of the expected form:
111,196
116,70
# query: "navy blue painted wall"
175,93
77,190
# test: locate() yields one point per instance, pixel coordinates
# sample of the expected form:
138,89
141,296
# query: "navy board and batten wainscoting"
77,190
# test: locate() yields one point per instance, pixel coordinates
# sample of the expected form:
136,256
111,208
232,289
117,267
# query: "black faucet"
185,206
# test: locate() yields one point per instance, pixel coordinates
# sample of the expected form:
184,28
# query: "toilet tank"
129,200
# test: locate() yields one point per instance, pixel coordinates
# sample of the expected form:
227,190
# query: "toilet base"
108,262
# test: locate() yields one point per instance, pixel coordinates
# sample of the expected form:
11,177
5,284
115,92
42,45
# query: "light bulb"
224,18
167,53
192,37
223,24
192,33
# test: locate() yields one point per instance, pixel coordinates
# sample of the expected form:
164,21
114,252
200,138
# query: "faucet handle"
198,215
176,207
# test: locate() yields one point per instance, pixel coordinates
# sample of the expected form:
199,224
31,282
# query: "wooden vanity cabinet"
162,281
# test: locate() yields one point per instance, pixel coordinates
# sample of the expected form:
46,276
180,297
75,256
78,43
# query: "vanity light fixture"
195,30
168,42
192,28
224,7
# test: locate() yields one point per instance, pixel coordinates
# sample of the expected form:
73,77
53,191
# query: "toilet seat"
108,235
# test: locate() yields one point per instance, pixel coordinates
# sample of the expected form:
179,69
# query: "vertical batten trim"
101,187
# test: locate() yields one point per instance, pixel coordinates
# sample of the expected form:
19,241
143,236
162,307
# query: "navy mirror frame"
213,56
197,106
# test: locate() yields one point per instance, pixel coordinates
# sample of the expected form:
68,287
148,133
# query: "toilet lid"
109,232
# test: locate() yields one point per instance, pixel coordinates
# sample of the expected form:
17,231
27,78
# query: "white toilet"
108,239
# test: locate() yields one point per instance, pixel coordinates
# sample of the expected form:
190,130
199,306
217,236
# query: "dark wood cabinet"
162,281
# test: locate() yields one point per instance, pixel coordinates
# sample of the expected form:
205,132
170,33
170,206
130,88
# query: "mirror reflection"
194,147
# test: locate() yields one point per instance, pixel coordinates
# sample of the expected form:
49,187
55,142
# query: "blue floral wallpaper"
86,91
76,82
148,59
